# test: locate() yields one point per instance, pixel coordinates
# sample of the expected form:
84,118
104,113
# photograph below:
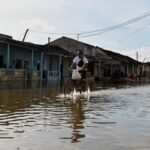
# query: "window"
89,51
26,64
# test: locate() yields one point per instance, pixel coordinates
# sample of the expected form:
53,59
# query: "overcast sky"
77,16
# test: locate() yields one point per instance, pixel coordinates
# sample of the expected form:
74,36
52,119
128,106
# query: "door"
18,64
1,61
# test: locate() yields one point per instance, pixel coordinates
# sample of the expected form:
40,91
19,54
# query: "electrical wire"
53,33
140,29
99,31
103,30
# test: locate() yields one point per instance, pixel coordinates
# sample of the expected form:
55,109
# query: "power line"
104,30
53,33
99,31
140,29
75,35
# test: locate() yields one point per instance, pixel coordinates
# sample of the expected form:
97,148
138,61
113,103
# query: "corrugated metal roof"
118,56
46,48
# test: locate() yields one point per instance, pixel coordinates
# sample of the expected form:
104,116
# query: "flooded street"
106,119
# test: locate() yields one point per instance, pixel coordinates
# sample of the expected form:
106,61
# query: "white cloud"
18,29
37,30
37,24
17,5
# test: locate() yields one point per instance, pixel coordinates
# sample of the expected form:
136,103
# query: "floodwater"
106,119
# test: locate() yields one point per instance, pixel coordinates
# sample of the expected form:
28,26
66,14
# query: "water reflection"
32,108
77,117
27,84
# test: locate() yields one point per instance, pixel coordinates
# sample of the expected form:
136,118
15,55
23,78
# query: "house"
16,57
146,70
23,60
118,65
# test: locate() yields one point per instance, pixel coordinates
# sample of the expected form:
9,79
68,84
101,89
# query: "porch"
24,74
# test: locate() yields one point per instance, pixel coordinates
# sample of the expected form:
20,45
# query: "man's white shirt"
76,61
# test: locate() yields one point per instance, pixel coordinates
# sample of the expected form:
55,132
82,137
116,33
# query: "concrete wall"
19,53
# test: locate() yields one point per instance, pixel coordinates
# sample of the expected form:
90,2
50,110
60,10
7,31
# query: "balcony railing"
53,75
3,72
12,74
23,74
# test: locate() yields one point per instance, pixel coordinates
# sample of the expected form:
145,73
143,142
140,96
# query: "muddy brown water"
106,119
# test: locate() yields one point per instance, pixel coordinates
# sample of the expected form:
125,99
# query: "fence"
12,74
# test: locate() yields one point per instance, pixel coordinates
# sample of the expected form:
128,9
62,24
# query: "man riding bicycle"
80,62
78,81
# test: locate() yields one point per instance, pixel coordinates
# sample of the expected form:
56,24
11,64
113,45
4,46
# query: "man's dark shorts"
83,74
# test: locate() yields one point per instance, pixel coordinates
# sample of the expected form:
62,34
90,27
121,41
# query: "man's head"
80,53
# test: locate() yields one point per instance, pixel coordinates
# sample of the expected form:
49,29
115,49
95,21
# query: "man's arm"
73,66
85,63
85,66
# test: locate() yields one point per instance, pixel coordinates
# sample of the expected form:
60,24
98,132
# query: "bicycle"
75,85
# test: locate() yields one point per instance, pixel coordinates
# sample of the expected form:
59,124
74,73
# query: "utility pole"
78,36
137,56
25,35
49,40
49,43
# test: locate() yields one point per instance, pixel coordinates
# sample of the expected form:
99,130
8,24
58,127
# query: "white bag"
76,75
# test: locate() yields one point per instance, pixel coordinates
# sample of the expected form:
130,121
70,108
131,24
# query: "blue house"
23,60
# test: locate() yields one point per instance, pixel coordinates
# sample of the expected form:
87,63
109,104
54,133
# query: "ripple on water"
105,116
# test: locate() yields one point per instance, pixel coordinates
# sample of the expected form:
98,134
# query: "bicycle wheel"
69,87
85,86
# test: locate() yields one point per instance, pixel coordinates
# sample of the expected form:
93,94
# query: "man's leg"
82,81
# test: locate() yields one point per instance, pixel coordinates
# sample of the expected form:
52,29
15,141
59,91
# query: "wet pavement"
114,118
